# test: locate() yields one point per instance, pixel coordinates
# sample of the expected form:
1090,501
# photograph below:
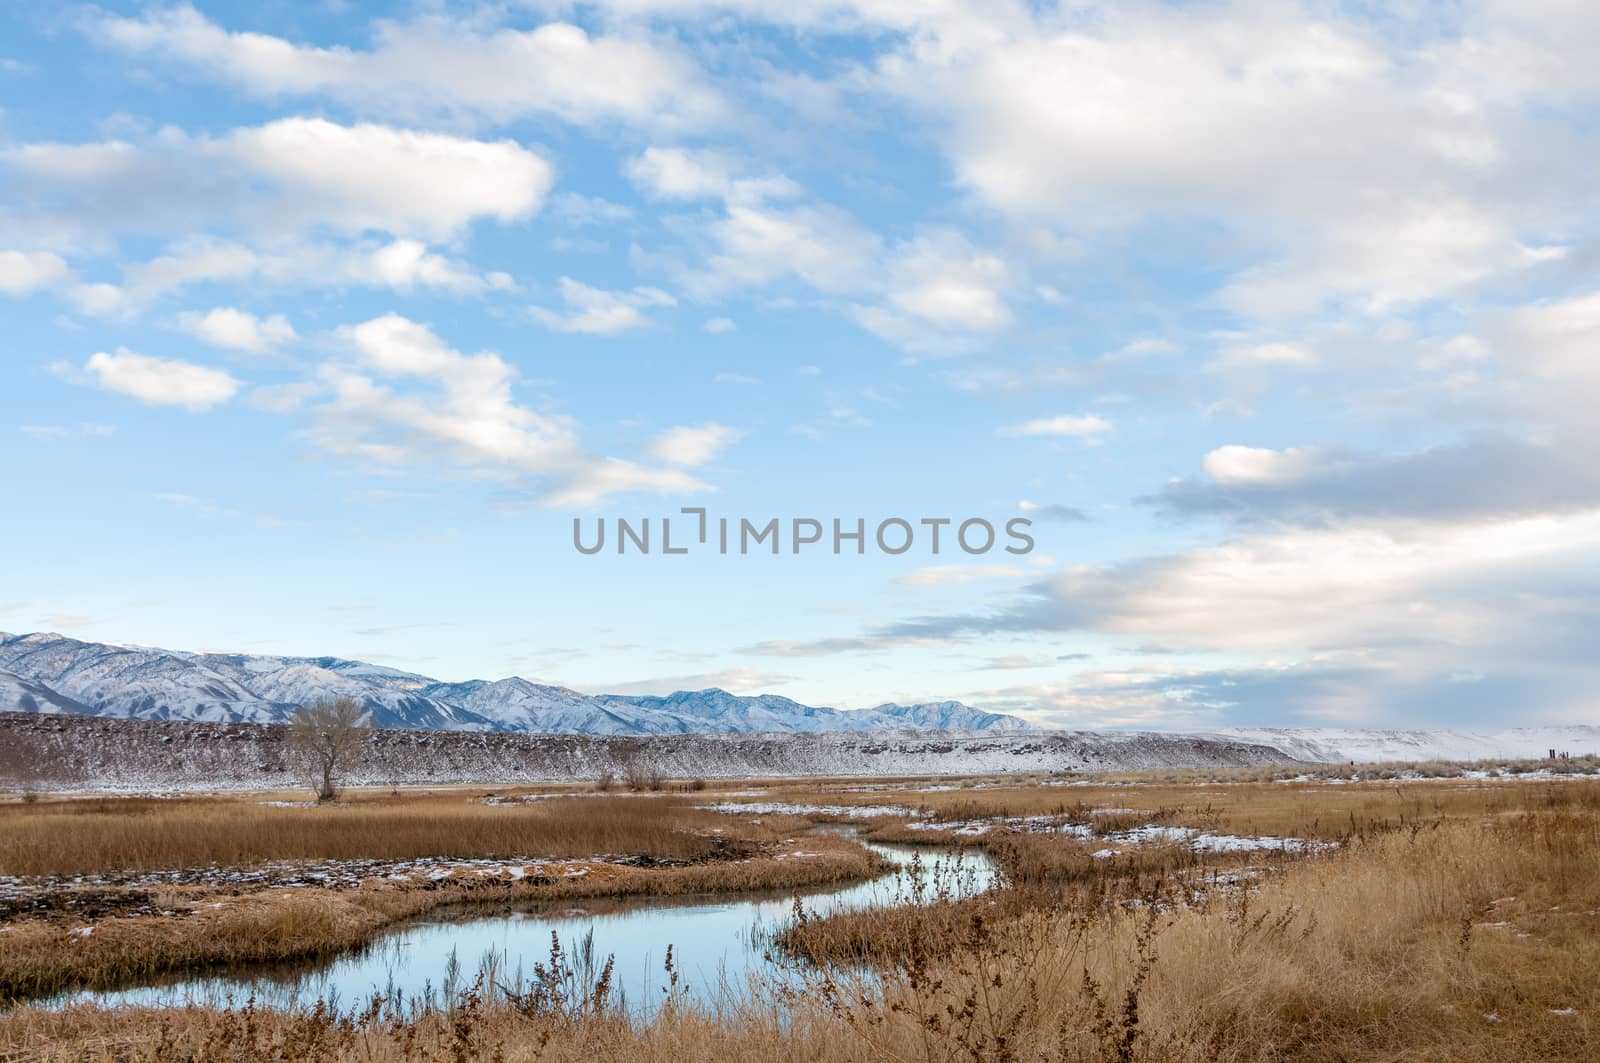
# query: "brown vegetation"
96,835
612,846
1467,929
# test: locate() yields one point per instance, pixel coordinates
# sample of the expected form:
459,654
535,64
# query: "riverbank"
193,884
1429,920
1448,939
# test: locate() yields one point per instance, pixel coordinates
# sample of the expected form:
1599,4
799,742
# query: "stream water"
717,943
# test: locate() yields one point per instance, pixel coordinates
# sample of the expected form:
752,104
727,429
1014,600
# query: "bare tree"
324,734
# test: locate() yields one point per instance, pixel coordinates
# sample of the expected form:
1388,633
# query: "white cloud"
237,329
408,264
599,312
52,432
282,398
1269,355
718,326
691,174
1233,465
689,447
285,177
1555,339
401,265
1144,348
942,279
757,244
395,180
677,173
932,286
580,210
100,300
438,65
24,272
407,400
1377,164
162,381
1089,427
938,292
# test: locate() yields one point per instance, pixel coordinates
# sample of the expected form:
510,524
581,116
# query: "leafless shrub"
324,735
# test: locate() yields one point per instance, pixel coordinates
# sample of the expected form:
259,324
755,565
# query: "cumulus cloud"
1402,612
1485,475
1234,465
24,272
1269,355
395,180
927,293
437,65
1211,100
599,312
405,265
406,399
759,243
1088,427
944,280
161,381
401,265
285,177
679,173
691,446
238,330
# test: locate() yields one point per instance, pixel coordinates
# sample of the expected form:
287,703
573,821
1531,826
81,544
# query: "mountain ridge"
49,673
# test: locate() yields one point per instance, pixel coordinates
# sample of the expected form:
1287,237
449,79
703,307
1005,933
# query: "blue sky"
324,321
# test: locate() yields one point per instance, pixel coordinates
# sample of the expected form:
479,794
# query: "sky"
1280,323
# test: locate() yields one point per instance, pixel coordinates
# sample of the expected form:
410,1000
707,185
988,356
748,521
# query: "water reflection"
716,942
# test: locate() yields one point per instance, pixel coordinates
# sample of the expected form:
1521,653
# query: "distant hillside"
65,752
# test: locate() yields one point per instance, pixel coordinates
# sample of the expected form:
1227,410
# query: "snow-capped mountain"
19,693
49,673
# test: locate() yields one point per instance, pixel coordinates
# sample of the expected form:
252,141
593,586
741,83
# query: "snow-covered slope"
1334,745
945,716
17,693
53,672
136,683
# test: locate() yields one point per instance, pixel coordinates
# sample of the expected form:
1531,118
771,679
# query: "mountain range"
50,673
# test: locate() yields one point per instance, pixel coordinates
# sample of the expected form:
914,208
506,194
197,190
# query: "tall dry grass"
74,837
39,958
1316,810
1385,952
1466,938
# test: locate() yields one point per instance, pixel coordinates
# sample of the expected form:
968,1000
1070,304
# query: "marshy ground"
1332,915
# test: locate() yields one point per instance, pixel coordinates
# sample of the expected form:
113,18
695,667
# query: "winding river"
717,943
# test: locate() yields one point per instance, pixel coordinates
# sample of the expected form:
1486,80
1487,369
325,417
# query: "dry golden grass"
1469,934
216,923
71,837
41,957
1284,809
1377,954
